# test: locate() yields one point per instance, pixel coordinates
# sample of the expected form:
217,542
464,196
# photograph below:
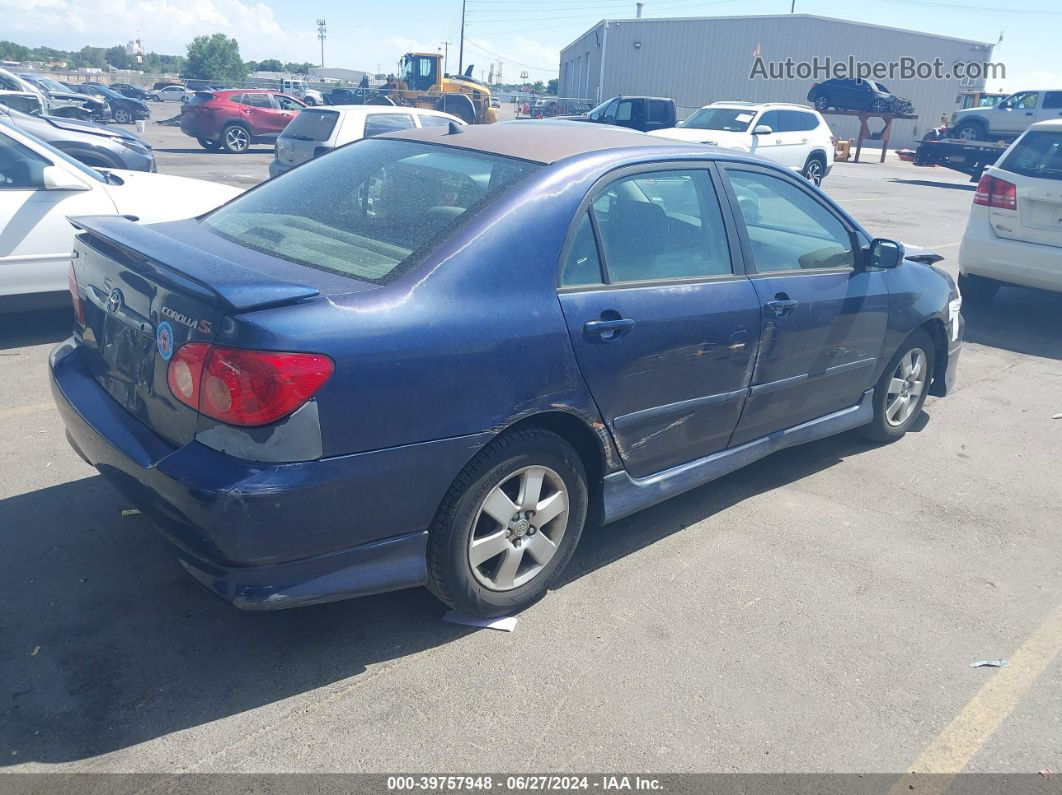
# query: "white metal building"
698,60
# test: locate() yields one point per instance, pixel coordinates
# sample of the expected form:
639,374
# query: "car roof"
542,141
755,105
365,110
1050,124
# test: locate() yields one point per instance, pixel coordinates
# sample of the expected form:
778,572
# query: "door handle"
803,140
777,140
608,329
780,306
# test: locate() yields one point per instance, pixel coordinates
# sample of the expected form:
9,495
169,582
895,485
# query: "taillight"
75,296
996,192
243,387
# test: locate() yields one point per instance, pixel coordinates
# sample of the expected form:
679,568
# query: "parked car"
25,101
317,131
343,96
129,90
158,84
1009,118
794,136
857,94
236,120
1014,233
124,110
408,362
93,144
42,186
65,102
171,93
495,103
16,84
637,113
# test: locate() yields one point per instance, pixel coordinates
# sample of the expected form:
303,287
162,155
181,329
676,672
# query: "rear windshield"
369,210
725,119
1037,154
311,125
200,97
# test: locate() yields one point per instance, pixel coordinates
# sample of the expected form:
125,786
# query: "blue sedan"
430,357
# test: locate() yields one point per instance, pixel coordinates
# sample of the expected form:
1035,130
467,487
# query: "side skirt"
623,495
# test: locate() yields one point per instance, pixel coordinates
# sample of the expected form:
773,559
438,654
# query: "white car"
171,94
1014,234
795,136
315,131
1011,116
40,187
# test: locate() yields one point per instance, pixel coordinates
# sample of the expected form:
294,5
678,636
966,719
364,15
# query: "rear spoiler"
145,250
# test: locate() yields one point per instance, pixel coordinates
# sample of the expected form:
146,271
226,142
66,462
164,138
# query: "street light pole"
461,51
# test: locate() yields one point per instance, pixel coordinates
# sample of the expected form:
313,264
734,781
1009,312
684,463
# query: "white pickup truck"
1009,118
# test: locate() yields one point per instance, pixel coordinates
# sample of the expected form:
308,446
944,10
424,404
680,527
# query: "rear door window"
380,123
662,225
658,111
582,265
1037,154
797,121
258,100
1053,100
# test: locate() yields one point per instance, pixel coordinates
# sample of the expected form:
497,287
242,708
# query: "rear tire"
971,131
902,389
486,555
815,169
210,146
235,139
977,289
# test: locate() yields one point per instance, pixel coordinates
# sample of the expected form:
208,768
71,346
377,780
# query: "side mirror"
884,253
762,129
55,178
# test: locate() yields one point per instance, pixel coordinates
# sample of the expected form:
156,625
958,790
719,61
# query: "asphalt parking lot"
817,611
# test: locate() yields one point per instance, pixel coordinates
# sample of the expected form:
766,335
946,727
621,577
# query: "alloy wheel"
879,106
237,139
813,172
518,528
821,103
905,388
123,116
967,133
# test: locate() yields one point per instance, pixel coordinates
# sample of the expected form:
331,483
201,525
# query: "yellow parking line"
953,748
20,411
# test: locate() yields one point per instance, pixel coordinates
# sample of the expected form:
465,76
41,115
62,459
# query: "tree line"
215,57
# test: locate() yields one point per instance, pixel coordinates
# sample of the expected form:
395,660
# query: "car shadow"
257,149
929,183
38,327
107,643
1017,319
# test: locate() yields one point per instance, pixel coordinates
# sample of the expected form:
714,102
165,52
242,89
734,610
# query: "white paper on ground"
505,623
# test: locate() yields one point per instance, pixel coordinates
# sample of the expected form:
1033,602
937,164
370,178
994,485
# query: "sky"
526,34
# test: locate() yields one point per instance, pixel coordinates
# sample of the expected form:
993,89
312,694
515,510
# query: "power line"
505,58
986,9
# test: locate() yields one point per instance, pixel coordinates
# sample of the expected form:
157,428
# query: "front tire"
508,525
235,139
821,103
902,389
879,106
977,289
122,116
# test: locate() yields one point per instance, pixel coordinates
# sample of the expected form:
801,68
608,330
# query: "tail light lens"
996,192
75,296
244,387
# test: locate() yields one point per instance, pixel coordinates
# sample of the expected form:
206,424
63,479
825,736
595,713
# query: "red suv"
236,118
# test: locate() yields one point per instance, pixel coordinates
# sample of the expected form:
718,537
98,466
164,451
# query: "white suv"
792,135
1014,234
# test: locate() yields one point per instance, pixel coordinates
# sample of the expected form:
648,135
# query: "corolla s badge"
164,340
115,301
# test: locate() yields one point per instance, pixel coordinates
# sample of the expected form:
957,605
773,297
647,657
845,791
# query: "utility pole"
792,6
446,57
638,10
461,51
322,30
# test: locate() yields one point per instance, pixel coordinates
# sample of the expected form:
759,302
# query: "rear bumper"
1010,261
276,168
266,536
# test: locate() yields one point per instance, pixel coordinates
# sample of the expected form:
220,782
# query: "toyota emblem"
114,301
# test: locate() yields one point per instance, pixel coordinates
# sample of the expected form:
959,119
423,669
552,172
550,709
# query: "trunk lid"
146,295
1034,166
